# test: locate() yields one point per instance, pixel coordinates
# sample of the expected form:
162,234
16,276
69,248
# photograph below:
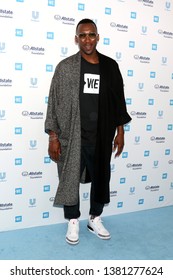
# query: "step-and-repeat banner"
34,36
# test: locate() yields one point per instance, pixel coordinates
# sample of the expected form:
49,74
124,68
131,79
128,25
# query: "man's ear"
76,39
98,37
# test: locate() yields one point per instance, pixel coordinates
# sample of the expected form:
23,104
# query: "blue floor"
144,235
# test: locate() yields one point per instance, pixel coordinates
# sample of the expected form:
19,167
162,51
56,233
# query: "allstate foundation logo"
3,177
6,146
65,20
113,193
162,88
6,13
6,206
119,27
148,3
140,115
142,59
34,49
33,115
134,166
166,34
157,139
5,82
32,174
152,188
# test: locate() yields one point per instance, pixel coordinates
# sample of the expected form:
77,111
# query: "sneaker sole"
72,242
100,236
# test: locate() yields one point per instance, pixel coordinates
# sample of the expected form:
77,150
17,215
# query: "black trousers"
87,160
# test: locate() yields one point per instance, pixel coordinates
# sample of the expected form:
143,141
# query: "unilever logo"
33,82
33,144
137,140
140,86
85,196
2,115
2,176
2,47
35,16
32,202
132,190
168,6
64,52
118,56
144,30
160,114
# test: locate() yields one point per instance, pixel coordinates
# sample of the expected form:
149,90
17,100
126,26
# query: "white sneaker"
95,226
72,236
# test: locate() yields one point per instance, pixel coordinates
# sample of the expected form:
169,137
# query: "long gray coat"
63,117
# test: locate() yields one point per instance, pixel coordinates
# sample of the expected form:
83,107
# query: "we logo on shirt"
91,83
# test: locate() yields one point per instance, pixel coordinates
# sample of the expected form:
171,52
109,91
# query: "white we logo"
92,83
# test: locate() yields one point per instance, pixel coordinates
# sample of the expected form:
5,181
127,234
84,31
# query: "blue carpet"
144,235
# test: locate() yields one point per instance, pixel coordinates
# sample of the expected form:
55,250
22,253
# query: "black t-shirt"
89,95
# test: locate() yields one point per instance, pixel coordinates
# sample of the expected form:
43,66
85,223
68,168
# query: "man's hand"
118,143
54,149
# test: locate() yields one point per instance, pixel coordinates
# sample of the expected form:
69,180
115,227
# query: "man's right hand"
54,149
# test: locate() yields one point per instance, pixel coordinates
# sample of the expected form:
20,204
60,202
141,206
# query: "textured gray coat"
63,117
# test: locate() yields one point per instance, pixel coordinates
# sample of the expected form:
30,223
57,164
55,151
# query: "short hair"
86,20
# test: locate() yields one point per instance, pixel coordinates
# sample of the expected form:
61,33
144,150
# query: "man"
85,115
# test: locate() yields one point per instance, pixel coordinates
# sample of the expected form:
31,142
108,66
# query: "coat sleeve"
122,116
51,123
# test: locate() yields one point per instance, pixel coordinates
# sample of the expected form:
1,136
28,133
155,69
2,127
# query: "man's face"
87,38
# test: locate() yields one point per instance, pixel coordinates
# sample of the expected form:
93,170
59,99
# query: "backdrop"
34,36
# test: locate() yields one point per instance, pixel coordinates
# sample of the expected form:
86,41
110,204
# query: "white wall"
34,37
